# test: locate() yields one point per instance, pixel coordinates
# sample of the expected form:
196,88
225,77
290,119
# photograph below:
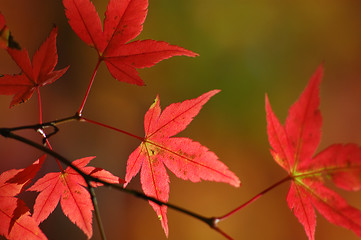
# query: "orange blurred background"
247,49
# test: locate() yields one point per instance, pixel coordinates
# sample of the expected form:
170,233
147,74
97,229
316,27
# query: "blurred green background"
247,49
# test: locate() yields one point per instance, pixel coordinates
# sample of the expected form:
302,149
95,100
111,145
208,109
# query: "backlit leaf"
15,220
123,22
187,159
293,148
69,188
33,75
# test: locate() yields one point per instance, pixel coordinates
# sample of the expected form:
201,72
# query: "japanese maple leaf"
293,148
123,22
69,188
33,75
6,39
187,159
15,219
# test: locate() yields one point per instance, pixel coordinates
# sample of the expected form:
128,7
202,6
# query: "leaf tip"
156,102
216,91
6,39
267,103
192,54
319,73
211,93
237,183
54,29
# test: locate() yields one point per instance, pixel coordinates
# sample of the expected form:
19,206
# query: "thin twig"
52,124
96,211
210,221
112,128
218,219
223,233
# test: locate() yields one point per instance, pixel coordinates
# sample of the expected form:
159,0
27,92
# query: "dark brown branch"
96,211
43,125
7,133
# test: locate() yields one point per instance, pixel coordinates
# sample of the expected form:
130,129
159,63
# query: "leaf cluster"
293,145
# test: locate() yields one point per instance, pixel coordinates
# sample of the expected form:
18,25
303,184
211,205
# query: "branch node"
214,222
78,115
44,135
5,132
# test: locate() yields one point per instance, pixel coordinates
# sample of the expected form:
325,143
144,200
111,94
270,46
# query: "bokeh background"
247,48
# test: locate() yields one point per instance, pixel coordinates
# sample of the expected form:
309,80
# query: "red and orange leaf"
22,59
304,121
278,140
187,159
68,187
23,227
15,219
36,74
140,54
123,22
13,181
293,148
334,208
155,183
85,22
299,202
94,172
25,176
340,157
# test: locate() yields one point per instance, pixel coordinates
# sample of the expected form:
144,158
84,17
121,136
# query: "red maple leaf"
69,188
293,147
187,159
15,219
33,75
123,22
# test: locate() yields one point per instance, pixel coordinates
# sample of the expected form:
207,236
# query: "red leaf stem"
80,111
112,128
